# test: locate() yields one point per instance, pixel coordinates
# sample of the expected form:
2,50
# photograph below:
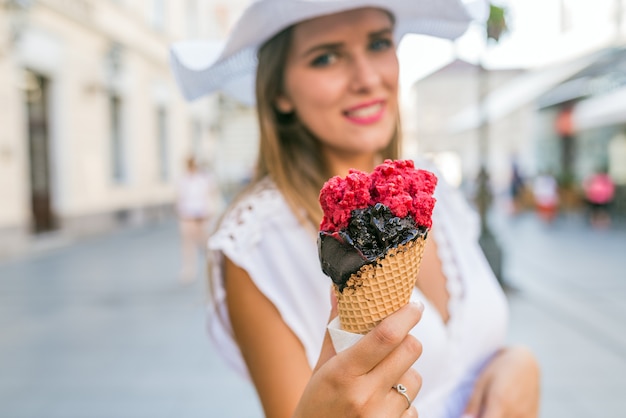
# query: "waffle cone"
381,288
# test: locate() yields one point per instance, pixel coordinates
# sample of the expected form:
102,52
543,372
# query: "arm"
508,387
274,355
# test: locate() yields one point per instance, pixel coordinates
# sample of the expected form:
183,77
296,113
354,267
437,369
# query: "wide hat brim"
203,67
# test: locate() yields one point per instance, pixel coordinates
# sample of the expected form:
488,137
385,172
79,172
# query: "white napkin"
341,339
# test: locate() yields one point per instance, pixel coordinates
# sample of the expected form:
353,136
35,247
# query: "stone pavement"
568,306
103,329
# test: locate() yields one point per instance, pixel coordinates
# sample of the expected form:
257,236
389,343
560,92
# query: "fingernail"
468,416
420,306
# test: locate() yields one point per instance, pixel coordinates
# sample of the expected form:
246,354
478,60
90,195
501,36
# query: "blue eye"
381,44
324,60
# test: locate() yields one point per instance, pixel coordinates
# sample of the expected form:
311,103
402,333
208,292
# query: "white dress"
262,235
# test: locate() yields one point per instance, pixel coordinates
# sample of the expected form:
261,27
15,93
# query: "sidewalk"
102,328
570,284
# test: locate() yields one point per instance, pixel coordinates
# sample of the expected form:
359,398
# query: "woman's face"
341,80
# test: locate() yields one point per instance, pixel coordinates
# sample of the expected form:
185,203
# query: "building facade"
442,96
583,125
94,130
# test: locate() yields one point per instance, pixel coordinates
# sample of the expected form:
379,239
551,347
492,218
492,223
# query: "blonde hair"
289,154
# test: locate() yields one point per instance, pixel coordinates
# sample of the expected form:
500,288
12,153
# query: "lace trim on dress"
240,229
238,232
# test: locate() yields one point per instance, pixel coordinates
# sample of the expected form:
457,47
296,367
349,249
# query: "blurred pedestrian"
327,101
194,205
599,193
517,188
546,194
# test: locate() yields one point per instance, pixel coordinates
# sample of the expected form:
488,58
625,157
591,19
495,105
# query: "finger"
396,364
409,386
412,381
383,339
410,413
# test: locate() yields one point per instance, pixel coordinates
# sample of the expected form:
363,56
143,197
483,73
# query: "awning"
518,92
607,109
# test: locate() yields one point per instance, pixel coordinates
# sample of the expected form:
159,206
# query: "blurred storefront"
582,127
568,104
94,131
567,120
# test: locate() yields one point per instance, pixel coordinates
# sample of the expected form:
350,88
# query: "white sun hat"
202,67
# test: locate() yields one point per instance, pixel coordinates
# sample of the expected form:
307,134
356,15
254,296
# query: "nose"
365,74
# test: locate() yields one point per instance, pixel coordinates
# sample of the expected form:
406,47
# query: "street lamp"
496,26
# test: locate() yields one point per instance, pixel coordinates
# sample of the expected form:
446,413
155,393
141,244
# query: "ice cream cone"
379,289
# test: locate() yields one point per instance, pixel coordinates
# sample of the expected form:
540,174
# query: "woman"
326,93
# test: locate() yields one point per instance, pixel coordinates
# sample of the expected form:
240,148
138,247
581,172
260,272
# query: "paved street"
569,307
103,329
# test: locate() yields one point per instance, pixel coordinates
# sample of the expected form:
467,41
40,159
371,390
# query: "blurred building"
94,131
583,121
237,142
451,91
566,117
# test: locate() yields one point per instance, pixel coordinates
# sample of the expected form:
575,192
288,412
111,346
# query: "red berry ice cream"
398,185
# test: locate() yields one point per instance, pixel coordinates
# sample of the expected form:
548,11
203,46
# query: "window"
157,14
162,145
118,166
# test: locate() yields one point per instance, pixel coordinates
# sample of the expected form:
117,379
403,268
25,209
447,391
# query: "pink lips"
366,113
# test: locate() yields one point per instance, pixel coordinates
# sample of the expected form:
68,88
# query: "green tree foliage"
496,24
